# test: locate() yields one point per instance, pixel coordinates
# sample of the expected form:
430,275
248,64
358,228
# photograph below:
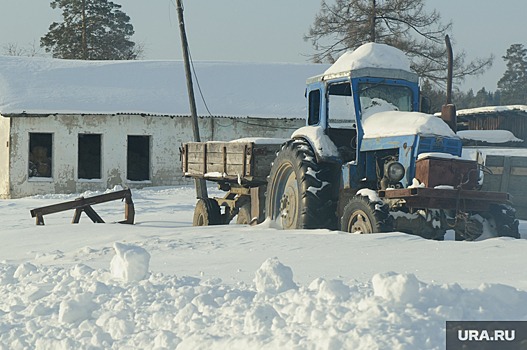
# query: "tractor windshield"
383,97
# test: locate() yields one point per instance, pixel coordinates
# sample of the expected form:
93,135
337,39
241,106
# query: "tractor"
369,161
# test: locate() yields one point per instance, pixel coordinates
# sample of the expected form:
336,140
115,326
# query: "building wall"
4,157
166,136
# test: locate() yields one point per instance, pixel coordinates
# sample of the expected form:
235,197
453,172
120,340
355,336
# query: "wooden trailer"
240,168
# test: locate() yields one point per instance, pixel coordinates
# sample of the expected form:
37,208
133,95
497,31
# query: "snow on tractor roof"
370,55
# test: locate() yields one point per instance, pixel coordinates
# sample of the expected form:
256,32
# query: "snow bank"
395,123
78,307
370,55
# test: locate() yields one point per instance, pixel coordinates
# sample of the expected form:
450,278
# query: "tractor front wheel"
363,216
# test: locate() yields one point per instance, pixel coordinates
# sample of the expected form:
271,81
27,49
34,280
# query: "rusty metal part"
456,199
434,172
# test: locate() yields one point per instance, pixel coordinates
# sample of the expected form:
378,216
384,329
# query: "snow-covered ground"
162,283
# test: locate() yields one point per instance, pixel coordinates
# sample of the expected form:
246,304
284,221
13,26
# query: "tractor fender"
324,149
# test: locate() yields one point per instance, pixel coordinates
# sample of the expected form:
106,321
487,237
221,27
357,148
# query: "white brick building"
70,126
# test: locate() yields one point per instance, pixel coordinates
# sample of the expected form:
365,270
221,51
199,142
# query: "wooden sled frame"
82,204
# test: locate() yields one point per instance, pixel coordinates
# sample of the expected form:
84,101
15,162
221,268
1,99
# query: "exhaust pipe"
448,110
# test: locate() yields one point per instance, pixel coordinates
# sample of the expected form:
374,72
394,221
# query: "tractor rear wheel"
207,212
364,216
301,193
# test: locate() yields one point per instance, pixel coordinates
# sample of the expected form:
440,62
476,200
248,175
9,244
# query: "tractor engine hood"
395,123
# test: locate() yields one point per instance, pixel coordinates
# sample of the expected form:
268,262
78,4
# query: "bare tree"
347,24
13,49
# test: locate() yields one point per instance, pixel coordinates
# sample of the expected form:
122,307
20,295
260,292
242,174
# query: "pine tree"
91,30
347,24
513,84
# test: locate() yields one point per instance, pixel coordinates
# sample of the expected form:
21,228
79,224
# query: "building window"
138,158
40,154
89,165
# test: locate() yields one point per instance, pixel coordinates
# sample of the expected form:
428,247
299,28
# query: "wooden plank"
204,159
518,171
93,215
129,212
76,216
185,157
505,177
197,158
40,219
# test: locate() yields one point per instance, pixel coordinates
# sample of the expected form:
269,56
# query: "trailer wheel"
505,220
244,215
301,192
362,215
207,212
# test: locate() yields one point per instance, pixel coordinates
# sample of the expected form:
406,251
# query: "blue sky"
272,30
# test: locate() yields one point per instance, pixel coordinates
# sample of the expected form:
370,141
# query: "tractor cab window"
341,109
314,107
383,97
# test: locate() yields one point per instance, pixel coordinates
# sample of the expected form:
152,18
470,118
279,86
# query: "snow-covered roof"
53,86
491,109
491,136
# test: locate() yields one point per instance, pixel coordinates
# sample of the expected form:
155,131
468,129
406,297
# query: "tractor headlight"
394,171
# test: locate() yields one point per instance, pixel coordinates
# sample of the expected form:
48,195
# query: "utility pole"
201,184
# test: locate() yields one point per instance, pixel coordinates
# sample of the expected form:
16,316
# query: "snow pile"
79,307
130,262
395,123
491,136
370,55
273,277
260,140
